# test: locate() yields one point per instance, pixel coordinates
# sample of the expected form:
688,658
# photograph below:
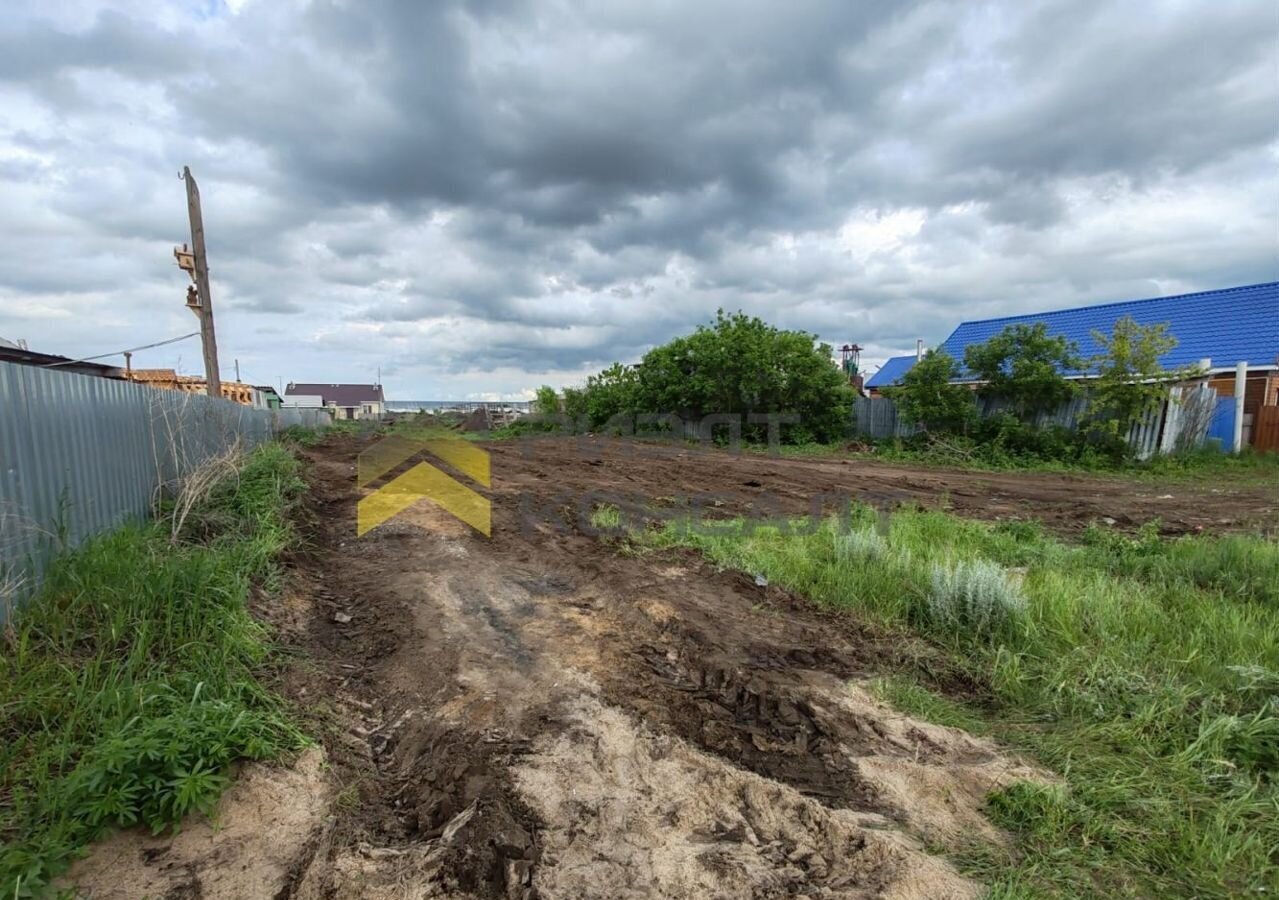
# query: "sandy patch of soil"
267,825
630,813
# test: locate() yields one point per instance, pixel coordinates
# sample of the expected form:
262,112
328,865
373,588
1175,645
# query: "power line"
71,362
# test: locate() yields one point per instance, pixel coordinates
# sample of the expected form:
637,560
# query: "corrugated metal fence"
1181,423
80,455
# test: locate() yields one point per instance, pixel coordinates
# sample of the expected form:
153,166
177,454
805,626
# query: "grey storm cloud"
483,196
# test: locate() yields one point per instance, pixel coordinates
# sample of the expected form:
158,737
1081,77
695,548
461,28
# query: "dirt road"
536,714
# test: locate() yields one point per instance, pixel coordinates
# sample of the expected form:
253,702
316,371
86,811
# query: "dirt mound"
438,818
633,814
476,420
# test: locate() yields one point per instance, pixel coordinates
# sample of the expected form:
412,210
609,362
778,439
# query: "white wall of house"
369,409
303,401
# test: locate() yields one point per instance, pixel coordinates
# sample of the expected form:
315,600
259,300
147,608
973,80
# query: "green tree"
546,401
1130,381
611,397
575,405
928,397
1025,367
740,365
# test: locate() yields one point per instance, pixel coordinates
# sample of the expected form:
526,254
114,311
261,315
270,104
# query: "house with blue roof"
1217,329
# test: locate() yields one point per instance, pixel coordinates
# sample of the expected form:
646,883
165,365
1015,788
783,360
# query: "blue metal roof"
891,371
1228,326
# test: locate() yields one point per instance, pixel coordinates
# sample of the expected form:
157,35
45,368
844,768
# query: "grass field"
132,680
1144,671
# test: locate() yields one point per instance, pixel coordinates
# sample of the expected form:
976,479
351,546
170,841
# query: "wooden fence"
1265,428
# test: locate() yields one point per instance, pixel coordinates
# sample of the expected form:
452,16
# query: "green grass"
1144,671
907,695
309,437
131,681
606,517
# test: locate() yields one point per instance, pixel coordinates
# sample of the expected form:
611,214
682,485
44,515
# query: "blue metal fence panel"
1222,426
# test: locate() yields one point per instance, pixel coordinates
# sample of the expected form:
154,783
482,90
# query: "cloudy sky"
482,197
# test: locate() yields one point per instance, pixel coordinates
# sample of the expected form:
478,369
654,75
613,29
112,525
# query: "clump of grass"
606,517
309,437
303,436
1143,670
1240,567
130,681
907,695
861,544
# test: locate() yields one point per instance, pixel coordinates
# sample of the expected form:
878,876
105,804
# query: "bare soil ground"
756,485
536,714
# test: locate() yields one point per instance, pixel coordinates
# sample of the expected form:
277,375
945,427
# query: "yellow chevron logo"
423,481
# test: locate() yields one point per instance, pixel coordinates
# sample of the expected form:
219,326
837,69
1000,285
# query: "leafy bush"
546,402
611,399
928,397
973,597
737,366
1130,382
1025,367
861,545
1003,439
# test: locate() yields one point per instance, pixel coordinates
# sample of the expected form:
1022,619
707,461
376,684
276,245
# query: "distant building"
266,397
890,373
17,352
346,401
170,380
302,401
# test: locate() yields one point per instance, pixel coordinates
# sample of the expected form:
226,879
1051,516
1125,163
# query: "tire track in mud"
538,715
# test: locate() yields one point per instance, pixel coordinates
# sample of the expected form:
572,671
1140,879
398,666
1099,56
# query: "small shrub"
973,597
864,544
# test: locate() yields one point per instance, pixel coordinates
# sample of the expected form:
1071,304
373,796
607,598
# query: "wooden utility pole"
204,308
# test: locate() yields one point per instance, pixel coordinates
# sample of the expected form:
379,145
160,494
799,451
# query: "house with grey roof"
345,401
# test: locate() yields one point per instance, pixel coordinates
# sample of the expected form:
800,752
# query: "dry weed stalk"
19,542
198,483
12,585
